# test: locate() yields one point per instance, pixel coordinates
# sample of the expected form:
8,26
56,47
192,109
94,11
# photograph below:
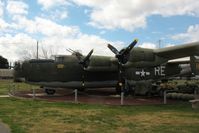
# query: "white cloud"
46,27
54,9
17,7
192,34
62,15
1,8
50,28
7,27
56,37
92,3
148,45
15,47
83,43
132,14
3,24
59,14
47,4
11,46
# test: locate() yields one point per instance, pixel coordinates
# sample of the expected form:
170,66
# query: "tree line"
3,62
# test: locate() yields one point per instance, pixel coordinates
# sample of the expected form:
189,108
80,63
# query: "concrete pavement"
4,128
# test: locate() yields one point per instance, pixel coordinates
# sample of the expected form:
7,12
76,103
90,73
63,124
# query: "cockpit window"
59,59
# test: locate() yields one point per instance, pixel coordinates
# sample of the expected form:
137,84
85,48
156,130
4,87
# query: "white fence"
6,73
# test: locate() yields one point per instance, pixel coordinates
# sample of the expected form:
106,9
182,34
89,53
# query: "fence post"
196,93
122,98
165,97
33,92
10,88
76,96
14,87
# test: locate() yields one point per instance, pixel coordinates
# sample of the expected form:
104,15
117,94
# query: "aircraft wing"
179,51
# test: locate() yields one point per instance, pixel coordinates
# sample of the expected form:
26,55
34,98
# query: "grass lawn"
6,84
29,116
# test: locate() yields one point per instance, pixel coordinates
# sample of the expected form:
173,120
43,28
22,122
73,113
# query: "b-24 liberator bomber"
131,67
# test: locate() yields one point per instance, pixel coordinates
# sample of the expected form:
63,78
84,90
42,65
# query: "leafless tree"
44,53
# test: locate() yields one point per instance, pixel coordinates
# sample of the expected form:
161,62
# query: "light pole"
37,49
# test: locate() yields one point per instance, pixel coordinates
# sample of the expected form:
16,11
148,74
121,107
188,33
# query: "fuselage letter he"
162,70
159,71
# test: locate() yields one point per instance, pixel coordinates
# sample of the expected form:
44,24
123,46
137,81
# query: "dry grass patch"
79,112
53,125
161,118
63,120
47,125
123,130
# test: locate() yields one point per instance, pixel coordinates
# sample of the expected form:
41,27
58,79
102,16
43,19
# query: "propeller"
123,54
83,61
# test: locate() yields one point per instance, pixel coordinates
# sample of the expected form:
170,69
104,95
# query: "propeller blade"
76,53
129,48
69,50
88,56
113,49
85,61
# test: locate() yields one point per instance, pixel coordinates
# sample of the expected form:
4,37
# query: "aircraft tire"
50,91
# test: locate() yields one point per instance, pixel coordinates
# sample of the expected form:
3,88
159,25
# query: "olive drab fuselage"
102,71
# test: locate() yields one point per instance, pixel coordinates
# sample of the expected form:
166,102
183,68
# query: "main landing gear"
125,87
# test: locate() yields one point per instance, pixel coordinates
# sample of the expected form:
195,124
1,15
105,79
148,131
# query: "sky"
83,25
